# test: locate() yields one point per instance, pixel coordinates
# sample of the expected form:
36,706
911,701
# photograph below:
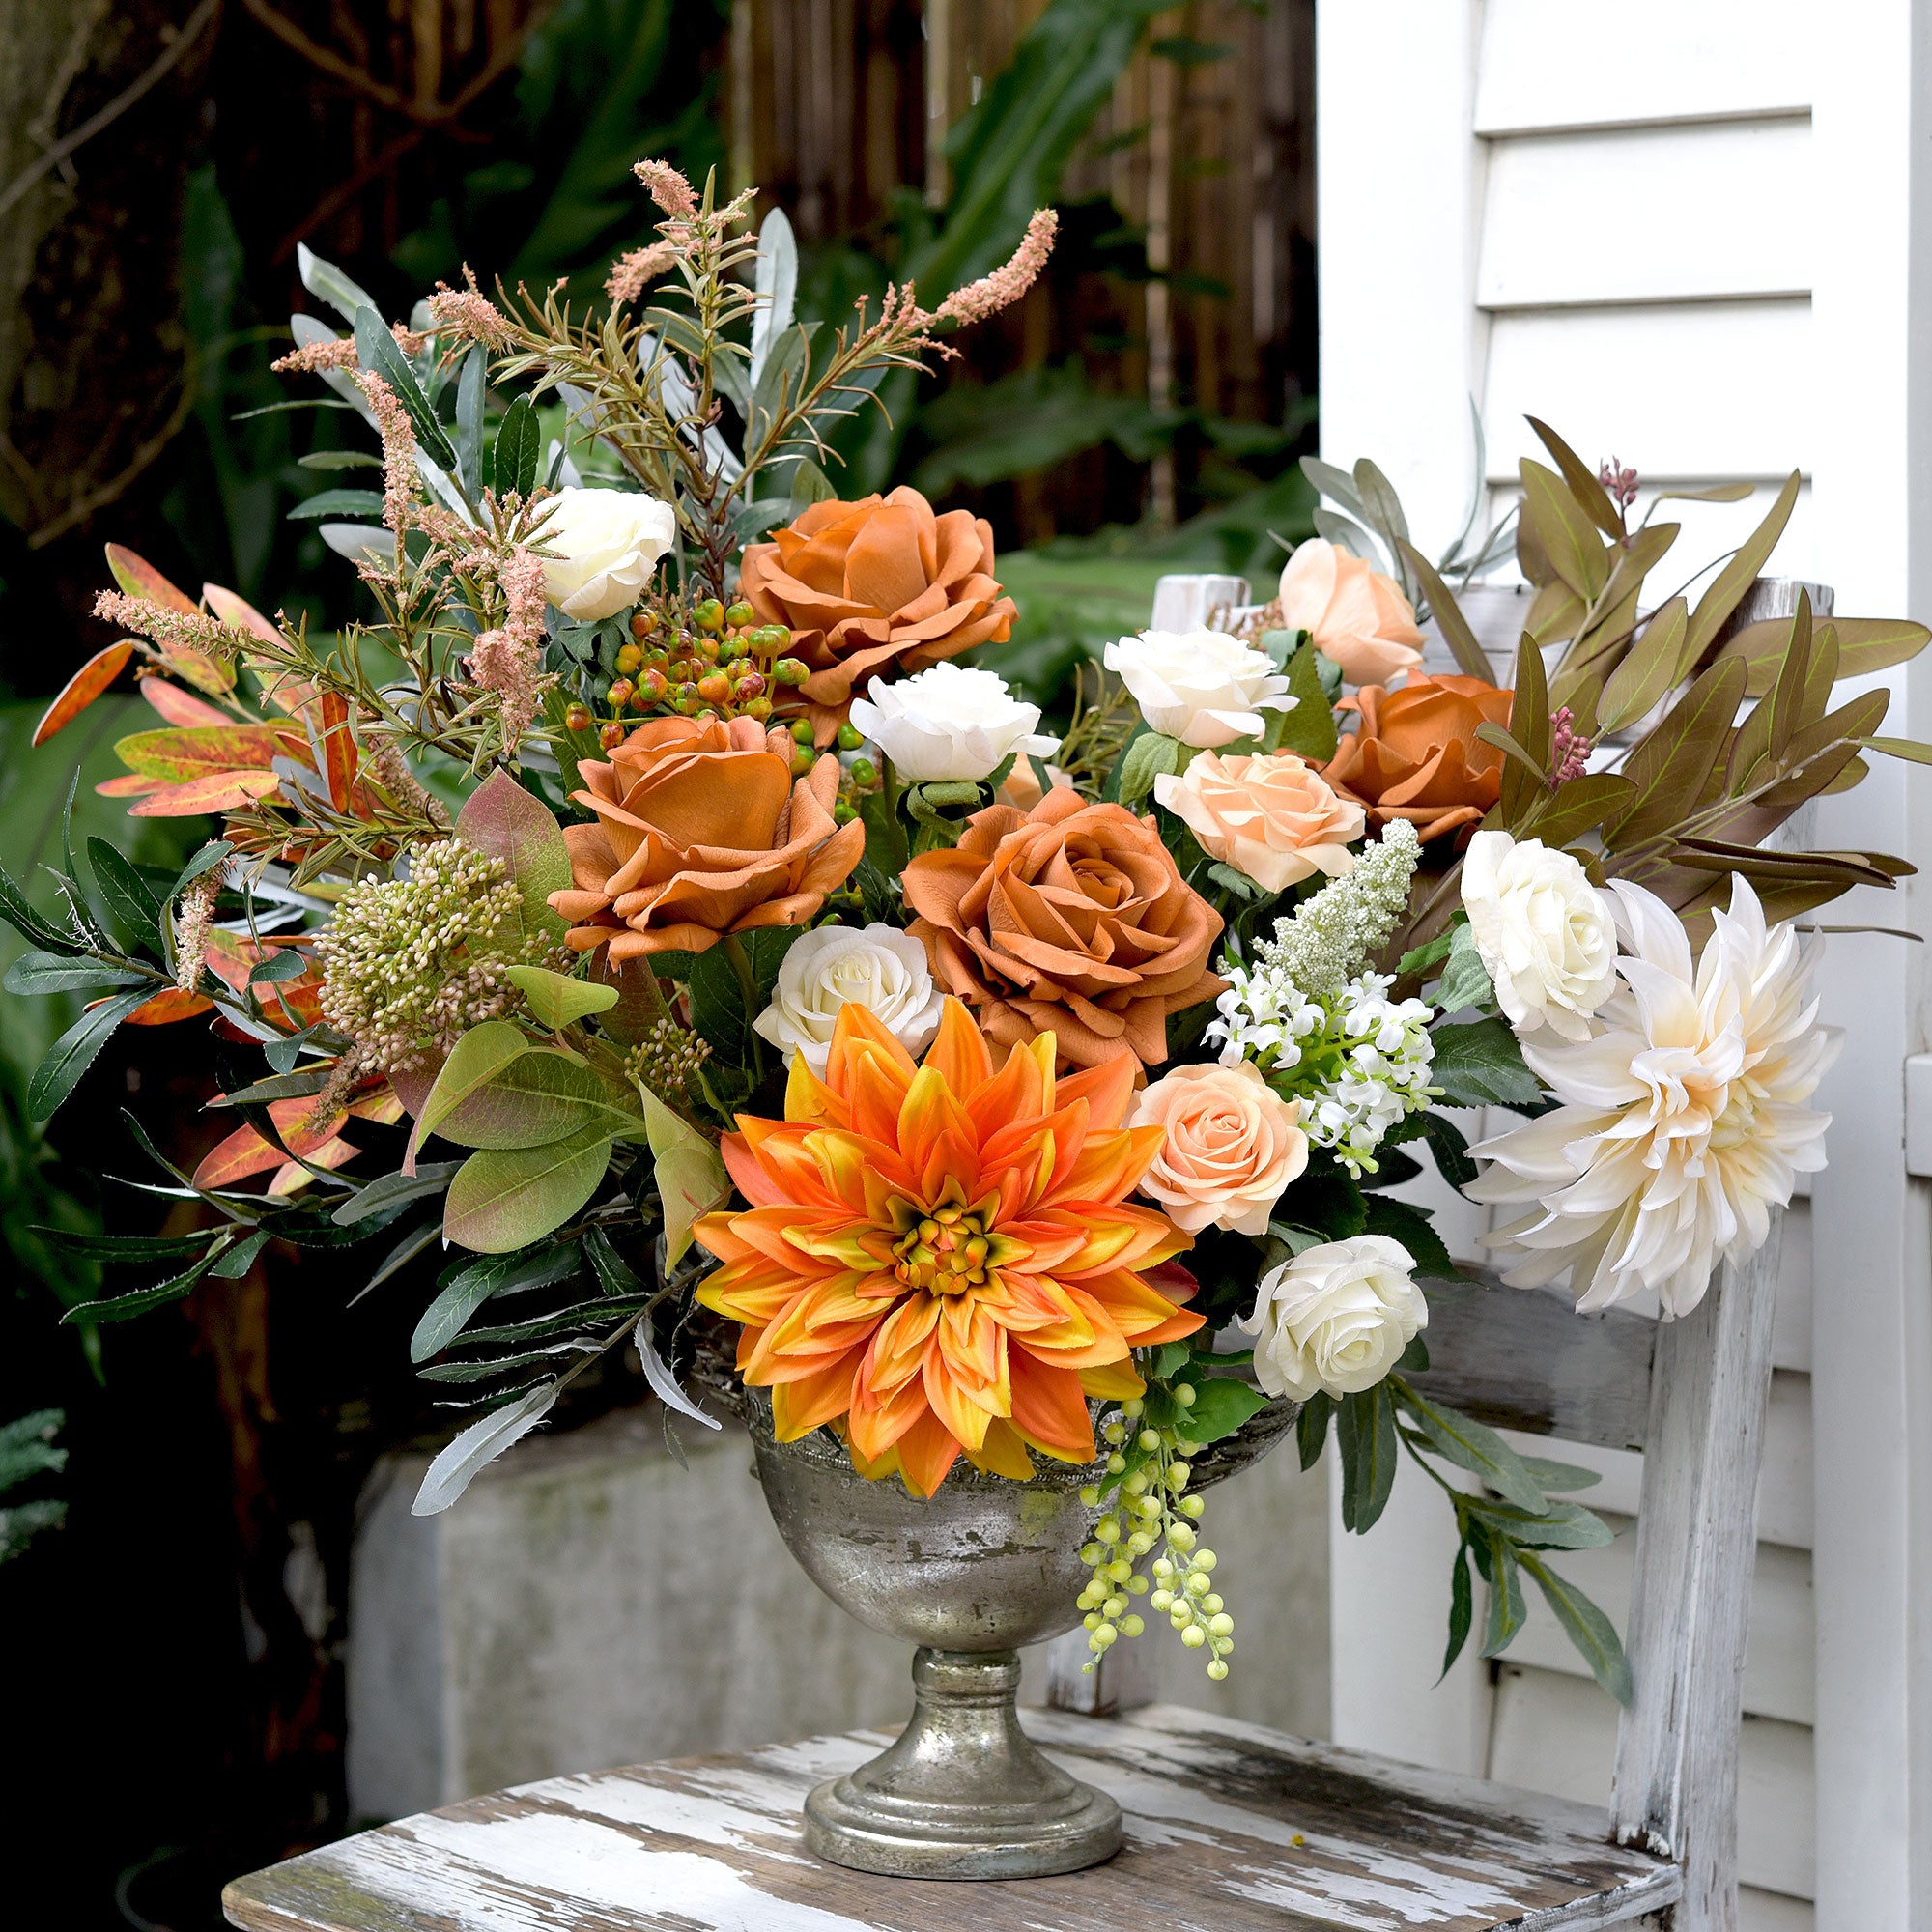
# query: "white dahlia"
1683,1119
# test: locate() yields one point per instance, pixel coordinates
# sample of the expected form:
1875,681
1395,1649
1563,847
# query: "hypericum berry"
577,718
791,670
802,730
714,686
865,774
850,737
620,692
643,624
709,616
759,708
651,688
749,685
628,658
707,649
739,615
610,736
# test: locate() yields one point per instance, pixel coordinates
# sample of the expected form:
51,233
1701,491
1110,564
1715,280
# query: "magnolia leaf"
1649,668
691,1174
540,1097
1579,806
1577,554
1728,588
505,1198
1469,655
1718,493
1672,765
558,1000
1592,498
1908,749
480,1444
505,821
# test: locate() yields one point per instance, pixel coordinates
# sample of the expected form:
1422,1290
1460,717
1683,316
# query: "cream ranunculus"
1547,935
950,723
1232,1147
880,968
1274,818
603,544
1335,1320
1357,616
1202,687
1683,1119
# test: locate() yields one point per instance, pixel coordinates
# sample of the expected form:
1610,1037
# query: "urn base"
963,1793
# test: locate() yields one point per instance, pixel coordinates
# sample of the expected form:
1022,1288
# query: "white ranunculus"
950,723
603,544
1683,1117
880,968
1335,1320
1202,686
1547,935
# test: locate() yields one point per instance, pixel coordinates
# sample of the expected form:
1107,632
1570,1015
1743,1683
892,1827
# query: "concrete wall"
588,1604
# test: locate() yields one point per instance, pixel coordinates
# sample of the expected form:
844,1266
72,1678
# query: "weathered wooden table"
1230,1829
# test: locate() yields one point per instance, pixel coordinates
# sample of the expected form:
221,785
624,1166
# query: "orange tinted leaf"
237,611
138,578
245,1152
197,751
289,1179
178,707
385,1106
219,791
337,749
82,689
165,1008
134,786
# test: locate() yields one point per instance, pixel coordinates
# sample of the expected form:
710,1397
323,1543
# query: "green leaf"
719,1012
691,1174
1507,1611
338,503
1531,735
214,853
1588,1628
518,451
1591,497
20,914
376,351
1578,806
1745,566
236,1261
126,1248
480,1444
1479,1064
1908,749
1365,1435
1446,1141
1311,1426
1462,1607
471,387
1649,668
118,1307
465,1289
1548,1476
390,1190
505,821
1576,552
1309,729
1673,764
1400,1222
1471,656
1555,1527
505,1199
618,1278
75,1051
128,897
1152,755
284,963
540,1097
1466,980
1221,1405
475,1059
558,1000
1474,1447
56,973
1420,958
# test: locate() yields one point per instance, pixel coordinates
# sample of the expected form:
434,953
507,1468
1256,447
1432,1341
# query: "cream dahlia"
1683,1119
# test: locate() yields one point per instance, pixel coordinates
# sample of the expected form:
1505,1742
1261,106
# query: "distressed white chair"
1230,1828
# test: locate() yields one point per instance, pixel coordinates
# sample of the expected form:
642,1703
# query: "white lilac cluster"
1330,935
1355,1059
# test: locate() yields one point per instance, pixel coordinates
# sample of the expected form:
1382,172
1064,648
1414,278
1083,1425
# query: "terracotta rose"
700,831
1068,919
880,586
1418,755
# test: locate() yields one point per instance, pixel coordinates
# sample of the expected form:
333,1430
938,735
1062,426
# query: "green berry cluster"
1150,1516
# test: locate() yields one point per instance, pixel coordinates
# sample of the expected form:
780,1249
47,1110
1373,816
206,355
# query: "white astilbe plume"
1683,1119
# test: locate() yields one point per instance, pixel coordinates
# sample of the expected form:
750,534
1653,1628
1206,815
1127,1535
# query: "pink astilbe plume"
1005,285
507,659
186,630
313,358
470,313
631,270
667,189
399,454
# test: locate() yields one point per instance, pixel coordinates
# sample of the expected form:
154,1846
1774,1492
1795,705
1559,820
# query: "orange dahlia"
940,1257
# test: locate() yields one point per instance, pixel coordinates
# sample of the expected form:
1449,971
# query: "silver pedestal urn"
970,1576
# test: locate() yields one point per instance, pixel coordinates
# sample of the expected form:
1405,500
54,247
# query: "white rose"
950,723
1202,687
1336,1319
880,968
605,545
1545,935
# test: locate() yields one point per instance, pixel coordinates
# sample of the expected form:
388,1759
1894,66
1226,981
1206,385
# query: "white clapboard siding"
1561,64
1557,1733
1699,213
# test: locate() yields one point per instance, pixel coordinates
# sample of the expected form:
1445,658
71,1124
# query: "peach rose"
1354,614
1233,1145
1418,755
1273,818
1071,919
700,831
877,586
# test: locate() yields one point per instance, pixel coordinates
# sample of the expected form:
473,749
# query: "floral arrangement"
719,957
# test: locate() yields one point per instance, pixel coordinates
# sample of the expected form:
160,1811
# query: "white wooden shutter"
1681,231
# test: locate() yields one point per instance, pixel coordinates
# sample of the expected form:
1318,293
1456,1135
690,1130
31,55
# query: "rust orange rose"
1356,615
1273,817
1071,919
700,831
1418,755
876,586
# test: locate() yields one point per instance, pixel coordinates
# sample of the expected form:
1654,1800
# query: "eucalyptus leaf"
1474,1447
480,1444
